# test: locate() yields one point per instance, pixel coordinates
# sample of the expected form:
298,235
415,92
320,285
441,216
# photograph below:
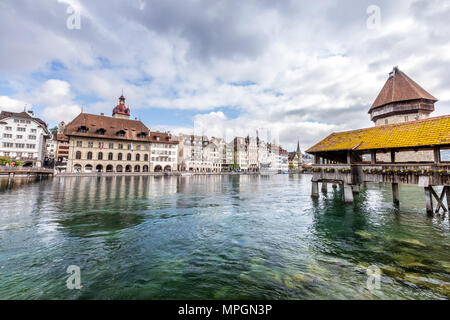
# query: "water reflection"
217,237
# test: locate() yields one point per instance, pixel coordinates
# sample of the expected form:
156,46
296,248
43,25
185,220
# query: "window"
20,129
406,119
111,145
8,145
138,157
79,144
110,156
120,146
19,136
142,135
100,156
8,128
386,121
138,147
90,144
30,155
32,137
101,131
16,120
129,157
20,145
119,157
83,129
129,146
121,133
33,130
78,155
89,155
7,135
31,146
28,121
146,157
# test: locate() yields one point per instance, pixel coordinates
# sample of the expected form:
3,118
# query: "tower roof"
121,108
399,87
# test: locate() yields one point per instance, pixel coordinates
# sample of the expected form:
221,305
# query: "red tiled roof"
26,115
131,128
399,87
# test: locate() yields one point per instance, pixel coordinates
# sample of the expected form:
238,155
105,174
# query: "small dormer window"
101,131
83,129
142,135
121,133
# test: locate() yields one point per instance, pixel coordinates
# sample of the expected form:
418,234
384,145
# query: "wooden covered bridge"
378,154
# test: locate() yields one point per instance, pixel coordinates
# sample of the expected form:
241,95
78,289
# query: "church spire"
298,148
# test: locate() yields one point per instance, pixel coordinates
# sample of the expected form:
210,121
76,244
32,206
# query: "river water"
218,237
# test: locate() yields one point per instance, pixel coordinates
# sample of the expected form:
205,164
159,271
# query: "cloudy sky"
301,69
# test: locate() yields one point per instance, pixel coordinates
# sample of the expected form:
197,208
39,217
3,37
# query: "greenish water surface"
217,237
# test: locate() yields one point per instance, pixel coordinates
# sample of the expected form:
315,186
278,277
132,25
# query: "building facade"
23,137
98,143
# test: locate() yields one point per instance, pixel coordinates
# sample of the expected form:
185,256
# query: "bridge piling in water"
395,193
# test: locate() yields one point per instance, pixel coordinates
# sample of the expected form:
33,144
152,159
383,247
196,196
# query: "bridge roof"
414,134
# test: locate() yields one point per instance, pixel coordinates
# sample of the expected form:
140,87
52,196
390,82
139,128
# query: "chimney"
31,113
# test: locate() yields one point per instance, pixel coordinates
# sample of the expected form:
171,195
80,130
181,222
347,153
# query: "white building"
240,153
23,137
163,152
190,154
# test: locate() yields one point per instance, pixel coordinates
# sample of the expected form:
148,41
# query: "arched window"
83,129
121,133
146,157
142,135
110,156
119,157
119,168
101,131
100,156
129,157
138,157
109,168
78,155
89,155
145,169
137,168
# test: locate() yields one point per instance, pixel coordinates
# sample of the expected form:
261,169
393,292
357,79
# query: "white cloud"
301,70
8,104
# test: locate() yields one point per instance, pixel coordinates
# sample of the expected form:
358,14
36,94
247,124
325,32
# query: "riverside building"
23,137
98,143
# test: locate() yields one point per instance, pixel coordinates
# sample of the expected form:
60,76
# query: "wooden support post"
437,155
324,187
429,200
349,157
447,191
315,189
392,156
440,200
316,159
373,157
395,193
356,189
347,193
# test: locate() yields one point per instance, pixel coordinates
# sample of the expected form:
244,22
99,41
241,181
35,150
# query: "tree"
19,163
4,160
